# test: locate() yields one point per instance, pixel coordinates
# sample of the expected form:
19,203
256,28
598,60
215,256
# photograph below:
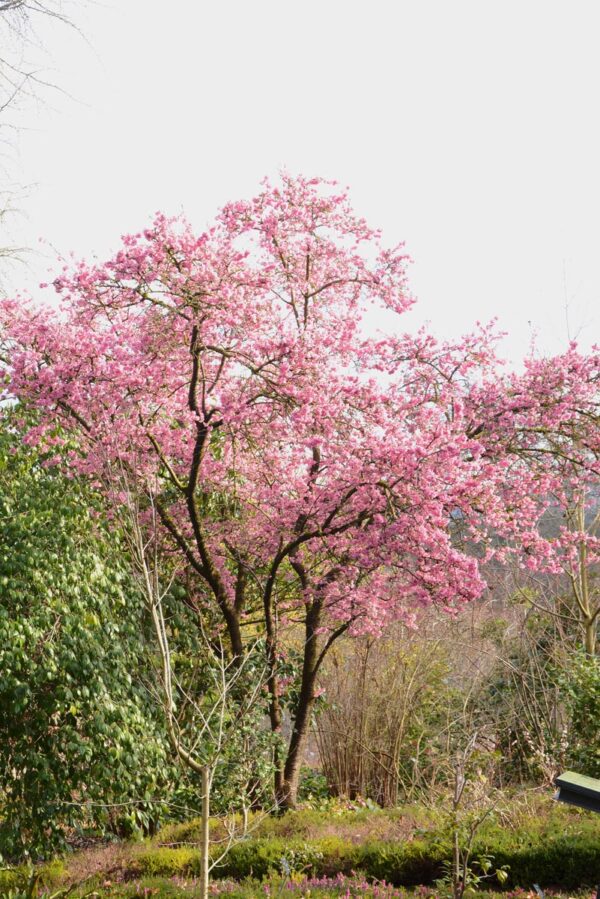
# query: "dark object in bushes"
577,789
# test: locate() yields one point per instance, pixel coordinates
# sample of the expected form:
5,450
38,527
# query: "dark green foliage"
580,684
76,724
521,701
259,858
404,864
313,786
548,855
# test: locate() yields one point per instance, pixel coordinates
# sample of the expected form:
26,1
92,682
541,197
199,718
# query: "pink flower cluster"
230,374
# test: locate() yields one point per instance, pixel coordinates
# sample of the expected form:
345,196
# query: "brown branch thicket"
395,707
382,697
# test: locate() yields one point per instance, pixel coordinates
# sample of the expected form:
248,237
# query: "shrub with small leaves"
79,738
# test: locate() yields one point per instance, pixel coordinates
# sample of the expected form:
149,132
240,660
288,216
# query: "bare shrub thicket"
397,707
373,688
389,706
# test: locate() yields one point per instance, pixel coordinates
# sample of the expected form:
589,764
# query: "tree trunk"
590,636
204,834
288,794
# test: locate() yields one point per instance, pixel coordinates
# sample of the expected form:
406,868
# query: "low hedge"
15,879
413,862
166,862
567,861
11,879
558,860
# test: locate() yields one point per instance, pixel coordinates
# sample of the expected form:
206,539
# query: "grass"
342,851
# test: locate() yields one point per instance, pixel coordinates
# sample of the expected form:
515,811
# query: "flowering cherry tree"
306,474
541,431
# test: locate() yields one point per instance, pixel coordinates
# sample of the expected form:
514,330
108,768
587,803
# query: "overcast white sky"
468,129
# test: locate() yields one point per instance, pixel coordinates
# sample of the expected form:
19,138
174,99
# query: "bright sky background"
471,130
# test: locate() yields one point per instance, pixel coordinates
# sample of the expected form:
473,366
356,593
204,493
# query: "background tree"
542,428
18,24
23,83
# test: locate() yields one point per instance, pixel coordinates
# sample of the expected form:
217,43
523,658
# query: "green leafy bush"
29,882
404,864
11,879
262,857
580,687
567,860
77,728
313,787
